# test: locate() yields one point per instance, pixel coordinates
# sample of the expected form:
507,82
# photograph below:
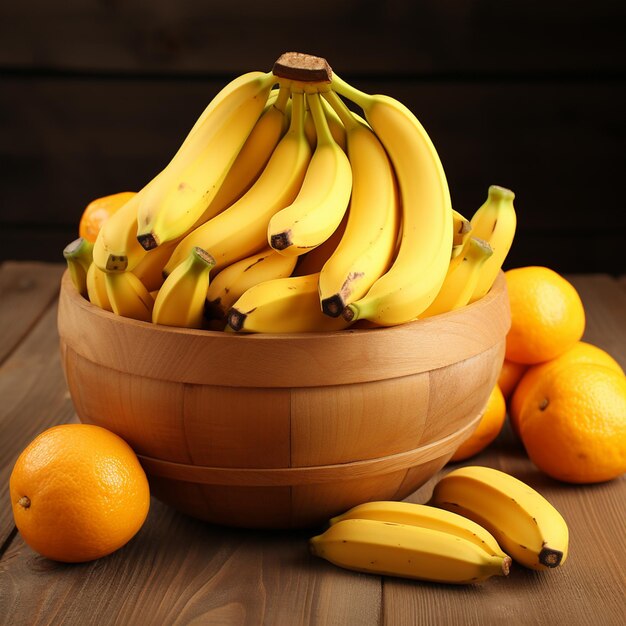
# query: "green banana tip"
496,191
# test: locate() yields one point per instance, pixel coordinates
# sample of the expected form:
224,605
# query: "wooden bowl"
277,431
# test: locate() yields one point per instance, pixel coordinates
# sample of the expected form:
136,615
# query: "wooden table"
181,571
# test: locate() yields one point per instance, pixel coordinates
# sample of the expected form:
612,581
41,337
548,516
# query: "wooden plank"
82,140
26,292
394,36
177,570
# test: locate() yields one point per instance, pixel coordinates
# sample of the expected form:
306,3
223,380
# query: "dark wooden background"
95,96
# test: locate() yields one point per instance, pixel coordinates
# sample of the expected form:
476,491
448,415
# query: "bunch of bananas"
285,211
477,522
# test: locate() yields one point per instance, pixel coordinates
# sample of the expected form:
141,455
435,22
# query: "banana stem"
319,119
297,113
340,108
284,93
351,93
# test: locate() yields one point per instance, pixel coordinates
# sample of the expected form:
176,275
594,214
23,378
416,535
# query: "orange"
580,352
488,428
98,211
78,493
573,424
547,315
510,374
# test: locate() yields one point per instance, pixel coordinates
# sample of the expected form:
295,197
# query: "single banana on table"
495,222
181,193
367,248
79,256
524,523
180,300
463,274
419,269
231,283
241,229
282,305
128,296
323,199
390,548
426,517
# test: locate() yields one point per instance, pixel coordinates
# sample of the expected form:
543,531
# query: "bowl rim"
137,347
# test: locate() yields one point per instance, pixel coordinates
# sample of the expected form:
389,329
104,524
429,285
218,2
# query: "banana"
180,301
425,517
97,289
460,281
337,129
254,154
419,269
234,280
150,269
241,229
323,199
128,296
389,548
524,523
282,305
79,255
462,228
368,246
495,222
116,248
179,196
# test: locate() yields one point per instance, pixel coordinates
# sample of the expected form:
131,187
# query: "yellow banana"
128,296
241,229
282,305
462,228
323,199
495,222
116,248
79,255
419,269
524,523
253,156
237,278
460,281
388,548
368,246
337,129
174,202
150,269
180,301
97,289
425,517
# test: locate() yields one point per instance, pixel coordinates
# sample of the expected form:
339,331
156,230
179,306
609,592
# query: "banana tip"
550,557
506,565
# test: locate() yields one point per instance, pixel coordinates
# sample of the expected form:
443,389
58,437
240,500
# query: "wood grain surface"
178,570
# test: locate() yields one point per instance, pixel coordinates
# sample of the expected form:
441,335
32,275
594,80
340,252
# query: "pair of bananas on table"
285,211
477,522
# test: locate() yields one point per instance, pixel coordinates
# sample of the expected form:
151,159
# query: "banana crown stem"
319,119
340,108
351,93
282,99
297,113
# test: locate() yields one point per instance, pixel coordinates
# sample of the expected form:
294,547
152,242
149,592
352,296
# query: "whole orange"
510,374
573,424
78,493
488,428
580,352
99,211
547,315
